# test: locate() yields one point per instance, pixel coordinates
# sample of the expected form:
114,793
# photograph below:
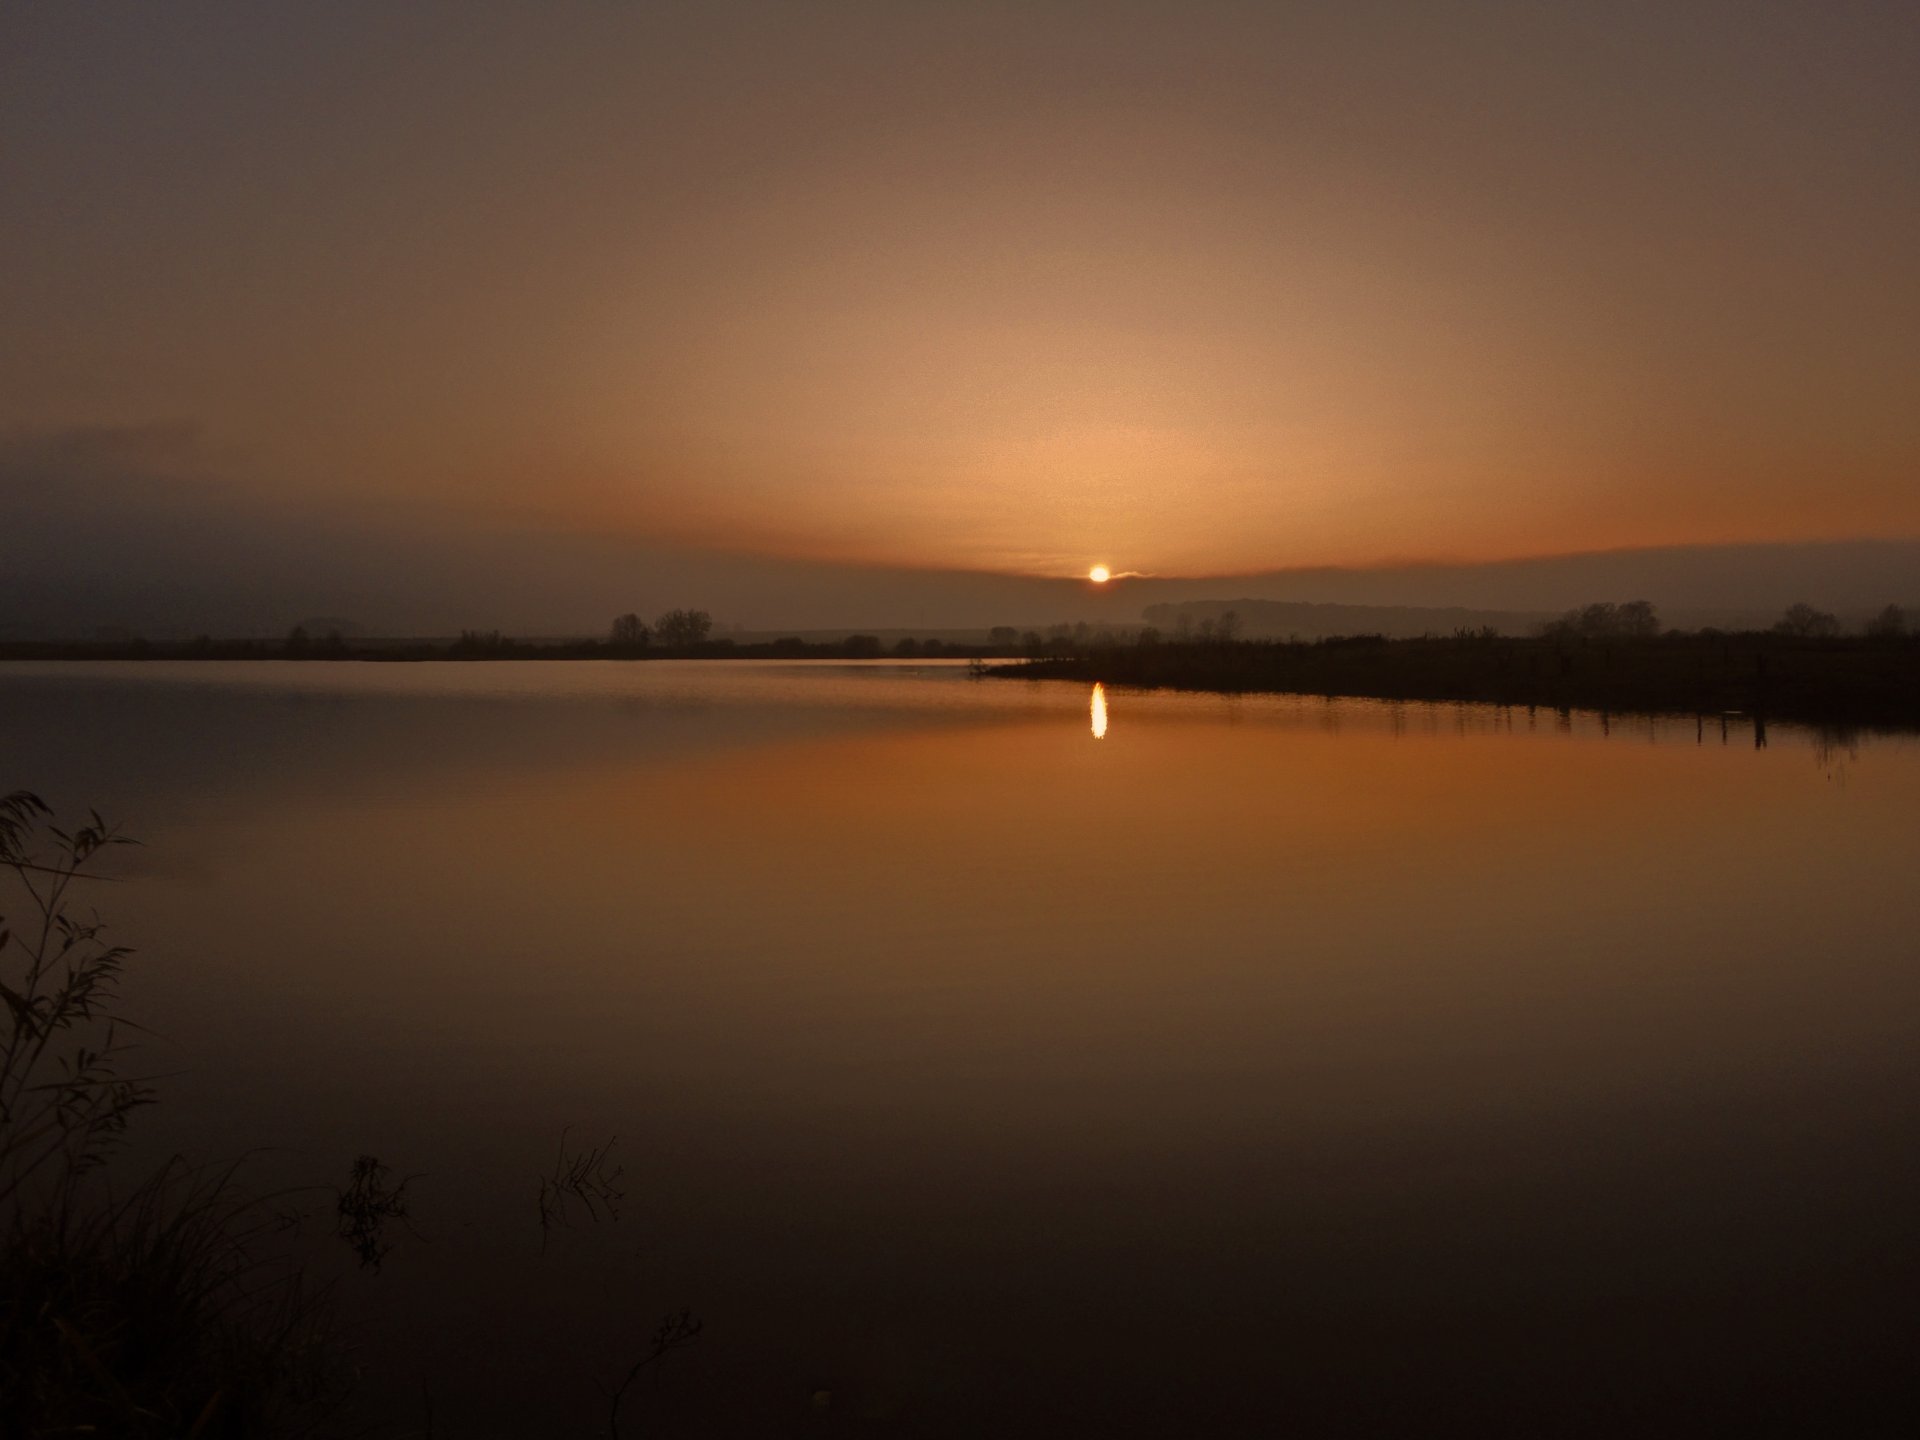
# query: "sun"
1099,574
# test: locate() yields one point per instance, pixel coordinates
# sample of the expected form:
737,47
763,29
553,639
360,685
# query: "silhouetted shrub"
682,629
480,644
1889,624
1804,622
1632,620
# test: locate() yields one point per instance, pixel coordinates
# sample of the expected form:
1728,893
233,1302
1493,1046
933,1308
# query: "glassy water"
996,1058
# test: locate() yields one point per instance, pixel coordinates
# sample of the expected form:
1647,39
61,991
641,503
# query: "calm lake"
1258,1063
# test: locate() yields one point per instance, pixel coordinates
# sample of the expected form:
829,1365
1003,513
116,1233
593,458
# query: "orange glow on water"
1097,708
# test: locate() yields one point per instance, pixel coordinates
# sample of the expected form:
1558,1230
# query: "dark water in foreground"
1264,1066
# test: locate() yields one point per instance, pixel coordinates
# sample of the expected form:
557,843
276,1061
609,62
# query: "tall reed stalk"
144,1305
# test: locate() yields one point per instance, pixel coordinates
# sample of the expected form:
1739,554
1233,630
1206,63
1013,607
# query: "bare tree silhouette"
1805,622
682,629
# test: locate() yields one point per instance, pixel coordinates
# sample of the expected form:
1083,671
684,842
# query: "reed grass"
157,1304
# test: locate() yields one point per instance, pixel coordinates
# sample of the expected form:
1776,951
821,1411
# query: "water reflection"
1479,1036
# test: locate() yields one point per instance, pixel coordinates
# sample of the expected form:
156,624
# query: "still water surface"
1000,1059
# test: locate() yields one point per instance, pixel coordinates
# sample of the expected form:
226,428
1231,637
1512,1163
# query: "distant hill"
1279,619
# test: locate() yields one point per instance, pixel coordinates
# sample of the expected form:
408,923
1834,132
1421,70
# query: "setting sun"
1099,574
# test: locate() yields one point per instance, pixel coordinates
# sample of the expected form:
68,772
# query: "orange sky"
1190,289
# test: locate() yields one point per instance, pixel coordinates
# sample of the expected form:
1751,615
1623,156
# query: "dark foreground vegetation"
1818,679
174,1300
129,1305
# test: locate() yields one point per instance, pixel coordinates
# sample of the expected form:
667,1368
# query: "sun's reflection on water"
1097,707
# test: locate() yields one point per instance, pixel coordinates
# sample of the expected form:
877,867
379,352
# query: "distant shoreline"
1848,681
1844,682
484,648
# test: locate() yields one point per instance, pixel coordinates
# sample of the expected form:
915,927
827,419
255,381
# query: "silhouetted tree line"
493,645
1889,624
682,633
1633,620
1807,623
674,630
1606,657
302,646
682,629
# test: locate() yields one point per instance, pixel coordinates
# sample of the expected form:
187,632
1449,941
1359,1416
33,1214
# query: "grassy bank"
1822,681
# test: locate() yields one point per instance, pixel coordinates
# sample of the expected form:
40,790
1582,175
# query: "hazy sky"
1190,289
